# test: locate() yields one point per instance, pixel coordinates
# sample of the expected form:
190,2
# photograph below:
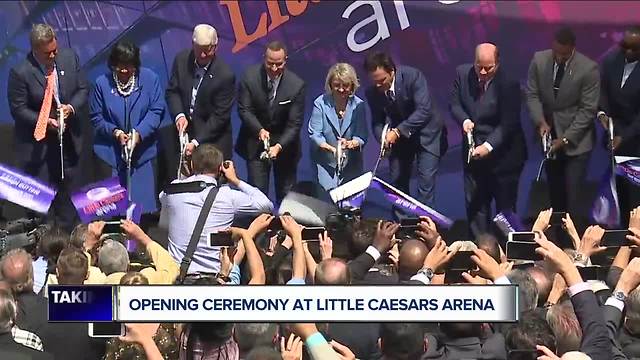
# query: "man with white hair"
201,91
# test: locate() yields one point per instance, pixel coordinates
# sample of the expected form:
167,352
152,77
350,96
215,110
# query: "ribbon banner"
509,222
24,190
101,200
628,168
409,204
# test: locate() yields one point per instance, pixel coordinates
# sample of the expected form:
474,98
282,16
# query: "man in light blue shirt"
181,210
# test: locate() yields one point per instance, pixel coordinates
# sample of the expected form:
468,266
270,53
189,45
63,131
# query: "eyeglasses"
488,68
277,65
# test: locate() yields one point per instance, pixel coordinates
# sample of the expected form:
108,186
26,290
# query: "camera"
21,233
340,224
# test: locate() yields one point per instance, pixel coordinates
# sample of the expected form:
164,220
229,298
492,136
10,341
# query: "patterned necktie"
391,95
272,91
41,126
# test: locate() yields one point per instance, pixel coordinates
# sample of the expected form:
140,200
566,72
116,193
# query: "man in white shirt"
182,209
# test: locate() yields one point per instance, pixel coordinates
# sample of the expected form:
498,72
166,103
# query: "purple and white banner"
24,190
101,200
409,204
629,168
508,222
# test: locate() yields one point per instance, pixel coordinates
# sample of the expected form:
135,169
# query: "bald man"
411,258
486,104
332,271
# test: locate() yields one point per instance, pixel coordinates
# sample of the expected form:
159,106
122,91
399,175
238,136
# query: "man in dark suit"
47,82
201,91
9,349
620,99
487,105
562,95
400,98
271,106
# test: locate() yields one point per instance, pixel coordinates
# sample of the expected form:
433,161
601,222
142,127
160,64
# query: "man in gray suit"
562,96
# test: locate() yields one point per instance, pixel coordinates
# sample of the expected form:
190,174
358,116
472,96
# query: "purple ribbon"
406,202
606,209
102,200
133,213
24,190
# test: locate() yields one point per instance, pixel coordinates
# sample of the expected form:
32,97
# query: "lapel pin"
210,76
61,72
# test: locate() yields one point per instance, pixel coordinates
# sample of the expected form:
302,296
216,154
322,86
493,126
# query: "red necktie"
41,126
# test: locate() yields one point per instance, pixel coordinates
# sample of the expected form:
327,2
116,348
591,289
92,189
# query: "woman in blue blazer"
338,119
128,97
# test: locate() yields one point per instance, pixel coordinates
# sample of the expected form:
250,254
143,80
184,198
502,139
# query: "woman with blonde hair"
337,125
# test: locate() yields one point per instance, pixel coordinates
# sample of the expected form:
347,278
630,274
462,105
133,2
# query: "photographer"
182,207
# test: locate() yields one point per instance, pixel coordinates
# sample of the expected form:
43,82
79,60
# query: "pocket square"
284,102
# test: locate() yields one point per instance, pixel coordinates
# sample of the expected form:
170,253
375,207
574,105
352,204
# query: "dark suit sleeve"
378,116
221,115
246,109
81,94
612,317
18,99
172,95
583,120
595,338
422,113
151,121
360,266
455,101
296,112
510,103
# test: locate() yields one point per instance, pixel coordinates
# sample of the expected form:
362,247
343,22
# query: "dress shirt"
182,212
628,69
39,273
276,83
198,75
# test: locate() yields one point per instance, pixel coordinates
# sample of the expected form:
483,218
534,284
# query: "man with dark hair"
532,329
485,101
271,107
181,208
201,91
620,100
489,244
401,340
250,336
562,97
72,267
49,83
544,283
400,98
9,349
528,291
464,341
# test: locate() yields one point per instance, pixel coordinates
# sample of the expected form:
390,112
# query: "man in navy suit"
400,97
620,99
486,103
39,155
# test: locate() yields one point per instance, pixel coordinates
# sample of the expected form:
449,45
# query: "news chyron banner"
428,303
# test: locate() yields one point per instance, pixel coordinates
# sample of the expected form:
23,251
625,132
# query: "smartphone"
112,227
454,277
523,236
312,233
593,272
276,224
615,238
556,218
519,250
462,261
106,329
410,222
221,239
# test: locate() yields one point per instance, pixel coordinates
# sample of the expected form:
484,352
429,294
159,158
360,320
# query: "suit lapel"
60,69
280,91
133,100
634,77
348,113
332,116
206,77
37,73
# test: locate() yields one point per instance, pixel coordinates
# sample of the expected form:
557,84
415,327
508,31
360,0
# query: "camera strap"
197,231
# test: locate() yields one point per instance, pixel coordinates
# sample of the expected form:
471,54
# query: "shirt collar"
41,66
393,82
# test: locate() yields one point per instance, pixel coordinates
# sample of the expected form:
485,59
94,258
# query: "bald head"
411,259
17,269
575,355
543,281
332,272
486,62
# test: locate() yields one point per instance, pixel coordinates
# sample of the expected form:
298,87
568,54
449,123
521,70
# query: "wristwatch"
578,257
619,295
426,272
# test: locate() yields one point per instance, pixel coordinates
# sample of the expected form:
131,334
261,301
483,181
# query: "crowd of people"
561,315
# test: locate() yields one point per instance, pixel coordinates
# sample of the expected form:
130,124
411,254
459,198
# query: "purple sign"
101,200
508,222
630,170
24,190
406,202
